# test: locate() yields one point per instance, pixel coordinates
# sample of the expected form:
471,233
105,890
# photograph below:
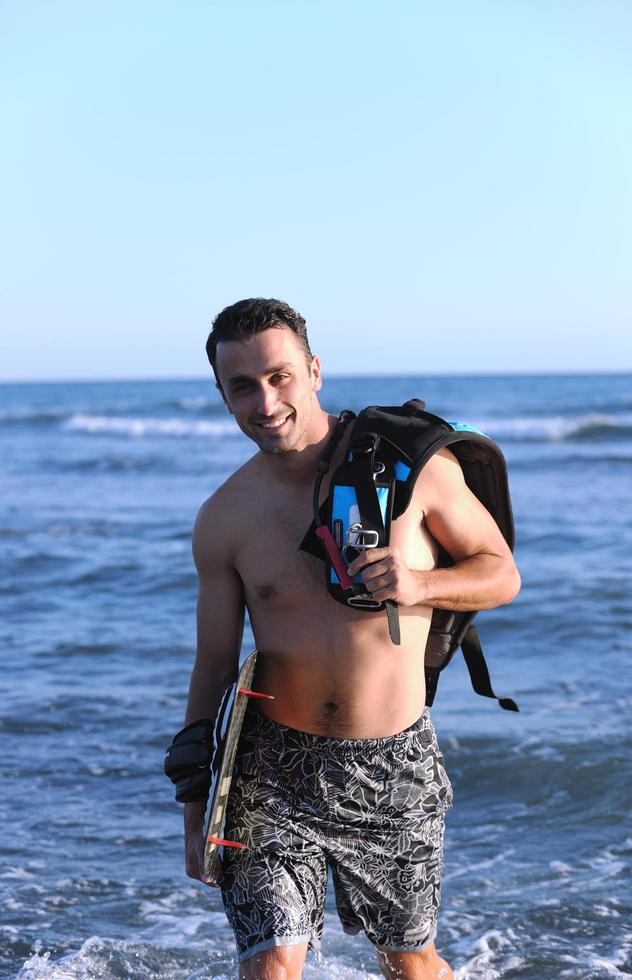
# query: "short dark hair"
252,316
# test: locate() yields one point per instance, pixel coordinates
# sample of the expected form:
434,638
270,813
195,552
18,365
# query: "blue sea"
100,486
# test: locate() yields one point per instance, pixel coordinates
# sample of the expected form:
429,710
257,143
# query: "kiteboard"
226,734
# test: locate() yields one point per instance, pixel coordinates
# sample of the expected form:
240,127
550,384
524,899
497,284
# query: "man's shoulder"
222,514
441,475
236,485
442,465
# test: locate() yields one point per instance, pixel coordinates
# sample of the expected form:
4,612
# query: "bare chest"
270,562
274,569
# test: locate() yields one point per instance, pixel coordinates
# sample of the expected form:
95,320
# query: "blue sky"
436,186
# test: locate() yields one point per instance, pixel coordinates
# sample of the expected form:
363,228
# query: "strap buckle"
361,538
363,601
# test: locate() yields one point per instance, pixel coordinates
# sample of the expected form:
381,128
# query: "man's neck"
298,466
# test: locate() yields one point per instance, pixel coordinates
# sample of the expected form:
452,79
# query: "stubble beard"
286,443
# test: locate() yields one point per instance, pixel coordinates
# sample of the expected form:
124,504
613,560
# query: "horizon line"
158,379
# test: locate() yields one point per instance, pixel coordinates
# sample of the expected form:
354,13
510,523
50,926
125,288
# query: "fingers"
380,582
379,563
194,861
368,557
381,587
193,865
383,594
385,575
197,872
193,871
374,572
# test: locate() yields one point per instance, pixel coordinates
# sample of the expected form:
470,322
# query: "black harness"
387,449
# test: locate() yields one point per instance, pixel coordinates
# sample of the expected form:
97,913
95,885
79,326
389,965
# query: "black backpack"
387,449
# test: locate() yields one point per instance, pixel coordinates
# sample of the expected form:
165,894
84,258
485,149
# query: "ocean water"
100,485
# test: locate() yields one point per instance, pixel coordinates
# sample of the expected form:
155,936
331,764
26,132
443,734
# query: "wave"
590,426
30,416
199,403
114,464
195,406
139,427
603,459
178,945
495,954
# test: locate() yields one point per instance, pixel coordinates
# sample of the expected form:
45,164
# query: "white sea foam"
495,955
483,965
138,427
332,968
196,402
607,967
604,912
141,958
480,865
560,867
16,872
552,428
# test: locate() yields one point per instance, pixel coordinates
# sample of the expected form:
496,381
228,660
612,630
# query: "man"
342,769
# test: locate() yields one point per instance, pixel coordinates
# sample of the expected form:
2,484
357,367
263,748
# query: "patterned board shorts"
371,810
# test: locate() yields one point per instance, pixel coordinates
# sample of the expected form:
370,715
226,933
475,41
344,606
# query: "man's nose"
267,401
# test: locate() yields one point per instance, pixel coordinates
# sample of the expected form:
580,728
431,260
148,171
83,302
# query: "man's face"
270,388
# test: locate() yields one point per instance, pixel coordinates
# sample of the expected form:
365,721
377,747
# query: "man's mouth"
276,424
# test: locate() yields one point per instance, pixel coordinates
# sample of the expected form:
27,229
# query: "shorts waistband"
273,731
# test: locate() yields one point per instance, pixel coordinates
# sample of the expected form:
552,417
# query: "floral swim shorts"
371,810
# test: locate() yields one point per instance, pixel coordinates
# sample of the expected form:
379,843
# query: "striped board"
230,718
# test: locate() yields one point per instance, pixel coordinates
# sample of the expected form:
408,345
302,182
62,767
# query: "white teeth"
273,425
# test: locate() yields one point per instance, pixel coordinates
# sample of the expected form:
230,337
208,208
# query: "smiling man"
342,770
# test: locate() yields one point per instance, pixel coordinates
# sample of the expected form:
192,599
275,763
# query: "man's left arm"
484,574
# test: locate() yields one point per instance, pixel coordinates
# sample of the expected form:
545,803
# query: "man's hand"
484,574
194,842
387,576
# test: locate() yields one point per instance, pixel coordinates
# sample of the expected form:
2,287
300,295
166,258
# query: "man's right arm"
220,620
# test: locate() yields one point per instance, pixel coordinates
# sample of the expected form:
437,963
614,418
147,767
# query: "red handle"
335,557
224,843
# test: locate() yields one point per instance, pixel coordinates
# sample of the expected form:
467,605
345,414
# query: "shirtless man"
342,769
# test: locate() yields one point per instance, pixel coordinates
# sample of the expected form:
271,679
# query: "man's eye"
280,377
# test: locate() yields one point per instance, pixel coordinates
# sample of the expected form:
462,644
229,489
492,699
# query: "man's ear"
317,378
221,391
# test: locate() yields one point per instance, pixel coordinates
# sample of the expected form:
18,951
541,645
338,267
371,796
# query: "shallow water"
100,486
